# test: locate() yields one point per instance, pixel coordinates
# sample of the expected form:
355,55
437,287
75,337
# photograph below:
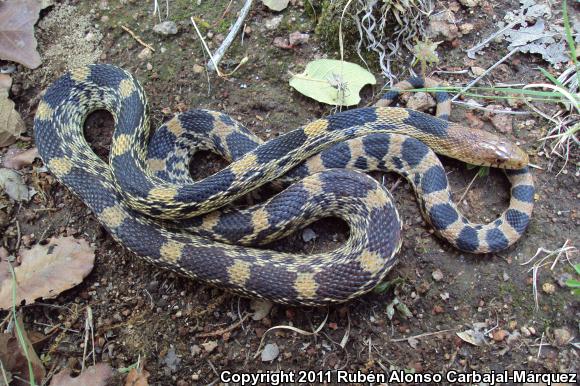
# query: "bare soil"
144,313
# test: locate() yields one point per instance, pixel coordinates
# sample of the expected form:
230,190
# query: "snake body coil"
148,202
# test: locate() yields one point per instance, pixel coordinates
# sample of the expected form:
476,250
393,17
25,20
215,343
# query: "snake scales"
146,199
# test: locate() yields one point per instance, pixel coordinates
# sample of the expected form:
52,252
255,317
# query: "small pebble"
145,54
437,275
271,352
549,288
165,28
562,336
499,335
308,235
274,22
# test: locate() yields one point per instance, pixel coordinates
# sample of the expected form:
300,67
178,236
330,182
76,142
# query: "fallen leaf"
276,5
17,42
333,82
261,308
47,270
17,158
14,187
97,375
271,352
11,124
14,360
474,337
137,377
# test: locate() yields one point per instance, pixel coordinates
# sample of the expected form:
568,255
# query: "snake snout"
510,155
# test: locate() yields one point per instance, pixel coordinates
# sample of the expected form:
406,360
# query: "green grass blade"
550,77
19,333
569,38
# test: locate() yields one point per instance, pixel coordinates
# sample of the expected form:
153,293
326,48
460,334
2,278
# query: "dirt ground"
187,333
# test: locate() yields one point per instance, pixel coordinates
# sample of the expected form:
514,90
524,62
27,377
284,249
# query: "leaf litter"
97,375
47,270
17,41
13,185
14,359
11,124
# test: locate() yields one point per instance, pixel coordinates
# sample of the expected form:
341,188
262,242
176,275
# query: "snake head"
501,153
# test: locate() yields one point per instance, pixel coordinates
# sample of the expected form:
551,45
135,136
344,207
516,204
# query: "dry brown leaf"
17,158
17,42
11,124
137,377
47,270
14,360
97,375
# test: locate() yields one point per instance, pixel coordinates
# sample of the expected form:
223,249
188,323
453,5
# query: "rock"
469,3
549,288
165,28
437,275
261,308
273,22
466,28
282,43
149,66
209,346
145,54
442,25
499,335
296,38
477,71
502,122
420,101
197,69
562,336
308,235
473,120
171,360
271,352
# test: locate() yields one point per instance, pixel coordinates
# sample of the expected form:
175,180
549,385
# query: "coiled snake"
146,199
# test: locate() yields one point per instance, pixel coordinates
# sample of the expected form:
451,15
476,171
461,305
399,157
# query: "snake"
147,200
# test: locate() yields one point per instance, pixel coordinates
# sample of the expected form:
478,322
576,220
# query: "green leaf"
573,283
333,82
276,5
577,268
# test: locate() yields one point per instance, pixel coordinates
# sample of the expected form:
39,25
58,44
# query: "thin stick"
469,186
223,330
474,81
134,35
219,54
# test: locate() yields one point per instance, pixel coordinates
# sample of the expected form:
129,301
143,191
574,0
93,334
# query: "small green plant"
425,53
483,171
574,284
